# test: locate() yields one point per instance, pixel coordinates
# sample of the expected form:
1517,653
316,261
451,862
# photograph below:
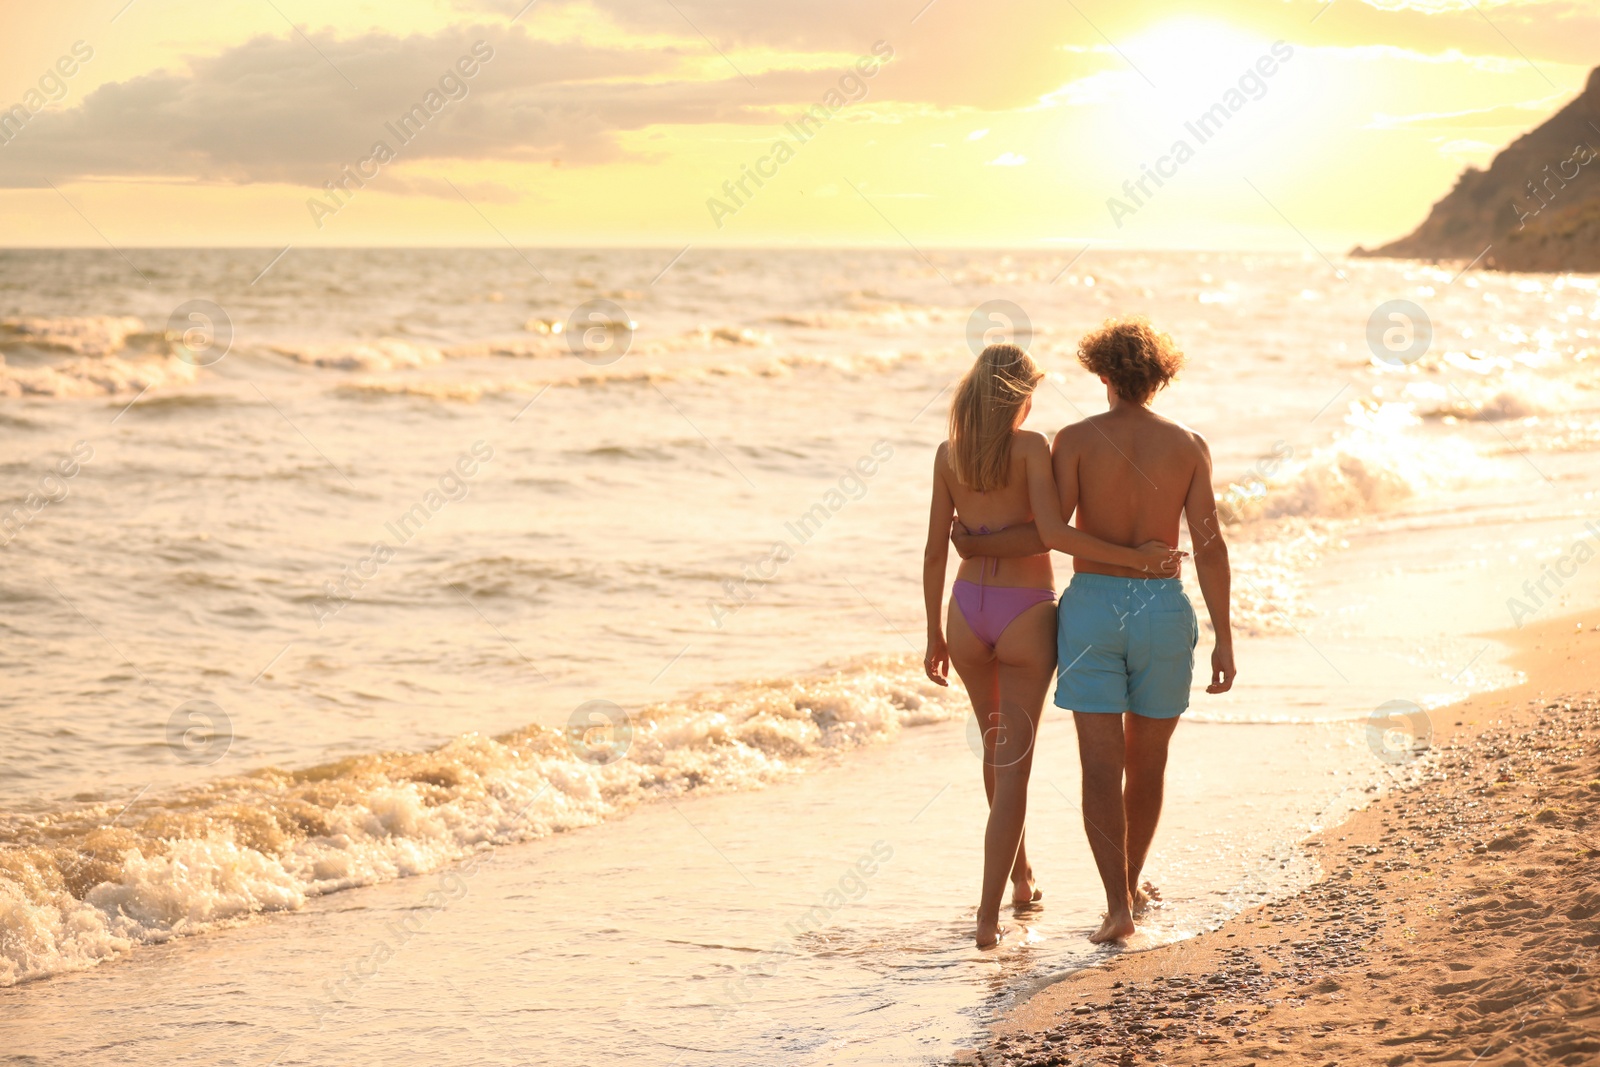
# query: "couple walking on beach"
1122,639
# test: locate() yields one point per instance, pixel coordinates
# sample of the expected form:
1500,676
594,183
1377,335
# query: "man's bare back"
1127,474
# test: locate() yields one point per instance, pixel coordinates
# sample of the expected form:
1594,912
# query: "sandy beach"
1455,921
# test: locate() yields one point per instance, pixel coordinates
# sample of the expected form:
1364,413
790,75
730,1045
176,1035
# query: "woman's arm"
1046,502
935,556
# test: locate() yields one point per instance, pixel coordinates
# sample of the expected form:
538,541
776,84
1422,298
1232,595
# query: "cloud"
1007,159
1092,90
1521,115
1006,40
992,56
1561,31
281,109
287,109
1467,149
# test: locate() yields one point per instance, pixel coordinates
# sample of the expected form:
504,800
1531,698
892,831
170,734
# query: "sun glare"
1189,54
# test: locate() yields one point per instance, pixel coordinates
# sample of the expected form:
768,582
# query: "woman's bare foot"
1144,896
991,933
1117,927
1024,893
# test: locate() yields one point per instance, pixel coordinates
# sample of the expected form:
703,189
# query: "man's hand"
1161,558
962,538
937,660
1222,671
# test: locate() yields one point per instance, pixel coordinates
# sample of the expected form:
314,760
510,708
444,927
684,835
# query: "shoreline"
1455,920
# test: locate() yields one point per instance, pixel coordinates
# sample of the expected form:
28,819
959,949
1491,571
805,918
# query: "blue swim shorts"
1125,644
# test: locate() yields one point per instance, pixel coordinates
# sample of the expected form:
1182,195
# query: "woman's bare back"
991,512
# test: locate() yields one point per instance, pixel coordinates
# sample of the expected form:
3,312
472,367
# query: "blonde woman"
1002,620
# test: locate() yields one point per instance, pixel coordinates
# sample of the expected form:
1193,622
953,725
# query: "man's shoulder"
1182,434
1089,431
1190,435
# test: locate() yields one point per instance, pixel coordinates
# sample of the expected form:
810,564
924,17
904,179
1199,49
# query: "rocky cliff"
1537,207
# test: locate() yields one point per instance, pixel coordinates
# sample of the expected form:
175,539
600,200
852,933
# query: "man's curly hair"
1132,356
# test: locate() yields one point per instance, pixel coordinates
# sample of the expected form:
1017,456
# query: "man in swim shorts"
1126,641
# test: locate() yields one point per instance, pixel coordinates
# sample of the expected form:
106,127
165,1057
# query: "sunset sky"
617,122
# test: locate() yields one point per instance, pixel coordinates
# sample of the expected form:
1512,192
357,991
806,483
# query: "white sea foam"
1376,465
85,356
105,376
865,314
75,891
384,354
1515,395
472,390
89,335
1268,594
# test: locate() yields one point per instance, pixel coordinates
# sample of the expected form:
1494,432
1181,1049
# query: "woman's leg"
975,664
1027,655
979,671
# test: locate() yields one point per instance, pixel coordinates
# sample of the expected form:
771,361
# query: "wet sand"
1457,921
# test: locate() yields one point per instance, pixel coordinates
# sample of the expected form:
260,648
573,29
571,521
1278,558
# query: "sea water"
291,654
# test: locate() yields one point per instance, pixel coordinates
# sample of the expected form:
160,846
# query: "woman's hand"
1158,557
937,660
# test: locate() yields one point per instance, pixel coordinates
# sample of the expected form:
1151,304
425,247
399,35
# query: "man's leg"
1145,768
1101,749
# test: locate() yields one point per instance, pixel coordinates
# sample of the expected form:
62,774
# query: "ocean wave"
459,392
386,353
492,576
1295,508
117,355
1268,592
78,888
87,335
1375,466
473,390
1567,433
91,377
508,348
866,314
1500,399
733,335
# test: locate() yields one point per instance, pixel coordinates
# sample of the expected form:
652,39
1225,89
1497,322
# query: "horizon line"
653,247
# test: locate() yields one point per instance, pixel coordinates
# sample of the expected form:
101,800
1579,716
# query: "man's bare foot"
1144,896
991,933
1117,927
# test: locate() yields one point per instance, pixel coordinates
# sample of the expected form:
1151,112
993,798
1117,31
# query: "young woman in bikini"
1002,620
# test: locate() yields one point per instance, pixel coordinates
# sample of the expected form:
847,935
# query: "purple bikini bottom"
989,609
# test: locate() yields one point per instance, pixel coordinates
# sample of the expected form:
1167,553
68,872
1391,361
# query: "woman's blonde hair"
983,415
